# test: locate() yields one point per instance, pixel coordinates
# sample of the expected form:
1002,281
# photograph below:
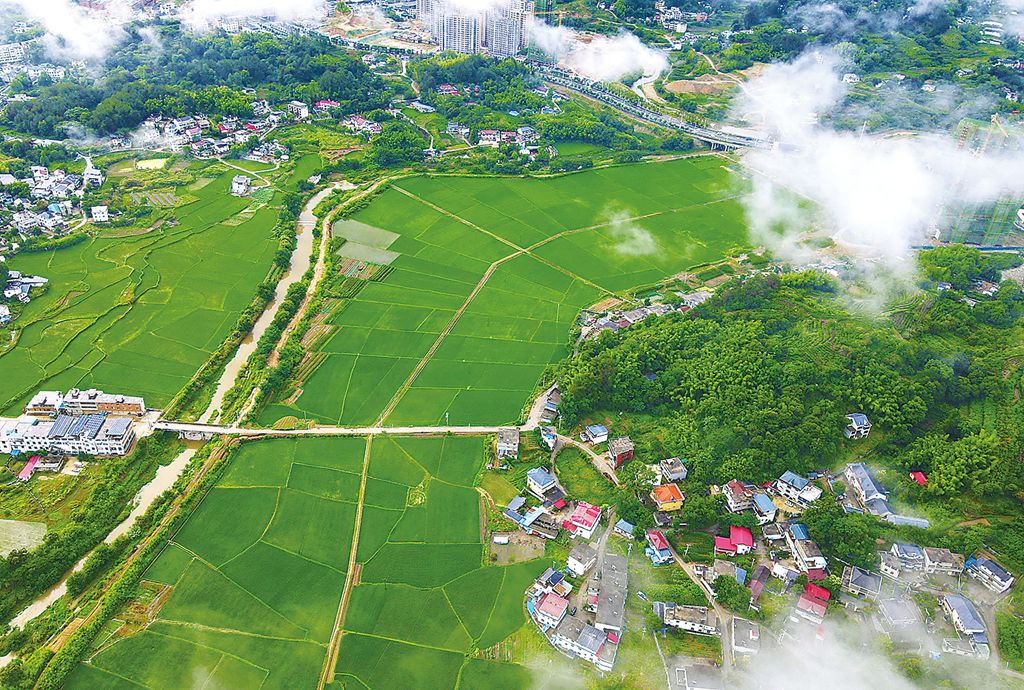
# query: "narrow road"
724,615
600,463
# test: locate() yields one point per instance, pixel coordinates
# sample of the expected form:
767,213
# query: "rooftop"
794,480
584,553
667,493
970,619
552,605
585,515
540,476
620,445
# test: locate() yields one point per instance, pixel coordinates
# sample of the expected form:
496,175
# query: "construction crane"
559,13
996,122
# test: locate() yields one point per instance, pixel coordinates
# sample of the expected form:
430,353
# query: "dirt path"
351,575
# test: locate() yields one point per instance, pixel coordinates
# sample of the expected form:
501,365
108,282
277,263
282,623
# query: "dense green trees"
398,145
849,537
201,73
731,594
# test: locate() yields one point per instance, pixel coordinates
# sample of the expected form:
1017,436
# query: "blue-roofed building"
969,624
625,529
539,481
911,556
595,434
799,531
764,508
921,523
865,485
517,503
990,574
857,426
796,489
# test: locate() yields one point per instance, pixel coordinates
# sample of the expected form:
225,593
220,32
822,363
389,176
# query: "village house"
806,553
551,580
667,497
535,521
595,434
550,412
583,521
897,613
813,603
582,640
550,610
861,582
990,574
796,489
657,548
739,541
625,529
764,508
888,565
489,137
298,110
100,214
871,494
581,559
857,426
695,619
508,442
545,487
720,568
240,185
758,579
738,495
968,623
673,470
611,603
746,636
942,561
620,450
911,556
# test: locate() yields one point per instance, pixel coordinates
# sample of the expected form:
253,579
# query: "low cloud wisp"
601,58
878,195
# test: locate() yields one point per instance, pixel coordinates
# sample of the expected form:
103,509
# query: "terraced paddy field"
140,314
488,275
245,595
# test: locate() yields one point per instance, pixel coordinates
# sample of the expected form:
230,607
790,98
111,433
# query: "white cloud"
74,32
875,194
602,58
204,13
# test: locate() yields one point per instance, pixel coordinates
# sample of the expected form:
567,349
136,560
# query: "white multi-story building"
695,619
90,434
11,53
505,28
579,639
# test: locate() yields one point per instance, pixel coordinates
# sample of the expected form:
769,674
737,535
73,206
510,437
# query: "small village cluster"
579,608
58,424
204,139
18,288
55,199
592,324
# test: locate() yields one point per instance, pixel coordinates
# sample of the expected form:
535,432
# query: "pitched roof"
919,477
817,591
764,503
799,531
666,493
970,619
657,540
812,604
540,476
794,480
585,515
723,544
997,570
552,605
741,536
624,526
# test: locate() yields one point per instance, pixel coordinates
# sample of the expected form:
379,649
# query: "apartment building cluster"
500,29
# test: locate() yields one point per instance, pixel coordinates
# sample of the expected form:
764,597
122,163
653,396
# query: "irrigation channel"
168,474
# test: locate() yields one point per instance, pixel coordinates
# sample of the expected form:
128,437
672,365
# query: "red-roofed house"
811,607
551,609
658,549
818,591
815,574
919,477
583,521
739,541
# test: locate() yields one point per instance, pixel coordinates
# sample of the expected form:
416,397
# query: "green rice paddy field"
258,571
140,314
547,248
